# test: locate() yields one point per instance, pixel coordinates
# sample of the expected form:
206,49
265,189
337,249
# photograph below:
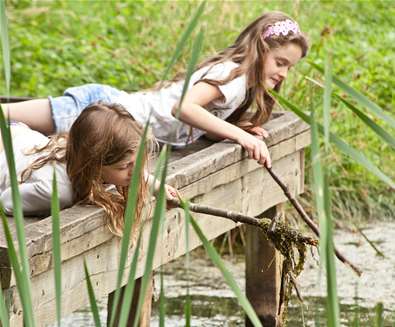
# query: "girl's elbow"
174,110
177,111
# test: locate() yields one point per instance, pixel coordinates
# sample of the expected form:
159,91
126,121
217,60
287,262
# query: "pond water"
213,304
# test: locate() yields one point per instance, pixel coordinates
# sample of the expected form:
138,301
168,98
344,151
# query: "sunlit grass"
131,45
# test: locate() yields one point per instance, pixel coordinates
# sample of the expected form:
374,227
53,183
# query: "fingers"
257,130
265,156
256,148
268,161
265,134
260,153
171,192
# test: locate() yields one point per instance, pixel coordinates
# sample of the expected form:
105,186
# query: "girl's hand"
171,192
255,148
259,131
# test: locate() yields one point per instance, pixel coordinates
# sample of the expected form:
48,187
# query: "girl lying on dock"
98,151
220,92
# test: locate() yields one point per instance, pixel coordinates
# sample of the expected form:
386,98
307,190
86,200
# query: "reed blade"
229,279
360,98
4,317
159,213
188,302
13,256
377,129
129,218
162,302
327,98
196,49
344,147
322,200
56,252
184,39
130,286
381,132
92,297
379,318
19,222
24,279
5,46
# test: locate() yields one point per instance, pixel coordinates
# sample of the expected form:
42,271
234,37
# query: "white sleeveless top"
168,129
36,191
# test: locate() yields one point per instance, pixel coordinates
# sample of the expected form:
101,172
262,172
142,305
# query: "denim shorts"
66,108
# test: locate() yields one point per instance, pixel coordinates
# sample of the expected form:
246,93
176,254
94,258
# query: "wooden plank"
220,155
184,171
102,260
83,227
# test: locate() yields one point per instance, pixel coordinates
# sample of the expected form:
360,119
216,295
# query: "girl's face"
278,62
119,173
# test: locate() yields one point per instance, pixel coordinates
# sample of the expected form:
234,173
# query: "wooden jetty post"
263,275
216,174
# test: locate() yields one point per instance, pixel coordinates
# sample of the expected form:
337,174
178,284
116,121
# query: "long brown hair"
249,51
102,135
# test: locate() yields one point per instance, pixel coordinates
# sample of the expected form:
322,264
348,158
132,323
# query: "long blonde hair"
102,135
249,51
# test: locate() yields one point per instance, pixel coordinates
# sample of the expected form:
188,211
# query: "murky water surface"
213,304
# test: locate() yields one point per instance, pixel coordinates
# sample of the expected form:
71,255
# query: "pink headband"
282,27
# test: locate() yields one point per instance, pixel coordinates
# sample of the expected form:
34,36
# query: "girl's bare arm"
34,113
193,113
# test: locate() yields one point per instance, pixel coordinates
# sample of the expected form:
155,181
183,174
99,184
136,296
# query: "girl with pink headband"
227,95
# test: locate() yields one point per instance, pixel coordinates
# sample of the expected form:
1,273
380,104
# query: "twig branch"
308,220
239,218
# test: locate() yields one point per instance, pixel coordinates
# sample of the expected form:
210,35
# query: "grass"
57,44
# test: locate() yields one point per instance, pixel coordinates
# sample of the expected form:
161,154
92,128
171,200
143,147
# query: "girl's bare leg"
34,113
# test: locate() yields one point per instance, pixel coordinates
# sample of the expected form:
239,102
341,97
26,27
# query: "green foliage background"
57,44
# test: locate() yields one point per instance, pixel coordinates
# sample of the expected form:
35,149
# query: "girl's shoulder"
221,68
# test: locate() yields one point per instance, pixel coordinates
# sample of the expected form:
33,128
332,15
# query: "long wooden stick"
308,220
236,217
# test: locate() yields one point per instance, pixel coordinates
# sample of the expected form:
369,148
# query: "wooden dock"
216,174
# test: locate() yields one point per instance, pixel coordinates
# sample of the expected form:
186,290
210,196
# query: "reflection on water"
218,311
213,304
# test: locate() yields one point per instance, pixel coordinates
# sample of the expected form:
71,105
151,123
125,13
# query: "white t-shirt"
168,129
36,191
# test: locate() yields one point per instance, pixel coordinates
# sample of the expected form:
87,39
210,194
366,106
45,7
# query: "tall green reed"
322,200
343,146
92,297
19,261
129,219
56,252
5,45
